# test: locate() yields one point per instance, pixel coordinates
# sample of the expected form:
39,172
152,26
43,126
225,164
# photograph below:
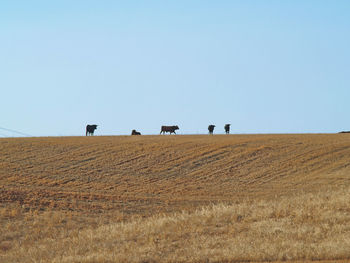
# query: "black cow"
211,129
90,129
227,128
170,129
134,132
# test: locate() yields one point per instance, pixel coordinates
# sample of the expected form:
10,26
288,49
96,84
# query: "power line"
14,131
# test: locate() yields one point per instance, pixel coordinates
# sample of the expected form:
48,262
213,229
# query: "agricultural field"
175,198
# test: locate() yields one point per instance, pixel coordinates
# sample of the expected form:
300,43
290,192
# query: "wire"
18,132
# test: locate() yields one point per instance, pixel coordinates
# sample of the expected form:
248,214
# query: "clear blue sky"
263,66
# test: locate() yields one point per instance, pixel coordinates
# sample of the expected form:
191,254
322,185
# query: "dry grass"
303,227
175,198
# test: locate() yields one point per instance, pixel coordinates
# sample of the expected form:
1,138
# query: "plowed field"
117,178
145,174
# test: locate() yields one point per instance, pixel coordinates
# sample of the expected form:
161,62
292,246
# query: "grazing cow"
227,128
211,129
134,132
90,129
344,132
170,129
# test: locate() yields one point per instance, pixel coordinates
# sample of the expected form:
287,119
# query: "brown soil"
127,176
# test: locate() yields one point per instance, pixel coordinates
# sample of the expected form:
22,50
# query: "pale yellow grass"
302,227
175,198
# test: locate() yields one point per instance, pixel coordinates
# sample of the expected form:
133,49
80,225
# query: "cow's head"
176,127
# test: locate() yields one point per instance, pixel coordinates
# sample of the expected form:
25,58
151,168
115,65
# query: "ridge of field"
52,187
144,174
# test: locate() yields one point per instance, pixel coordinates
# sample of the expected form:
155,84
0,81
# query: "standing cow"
227,128
211,129
90,129
170,129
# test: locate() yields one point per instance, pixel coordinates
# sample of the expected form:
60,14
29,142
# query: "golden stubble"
307,226
175,198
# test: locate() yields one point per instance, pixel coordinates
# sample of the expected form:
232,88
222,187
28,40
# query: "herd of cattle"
90,129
